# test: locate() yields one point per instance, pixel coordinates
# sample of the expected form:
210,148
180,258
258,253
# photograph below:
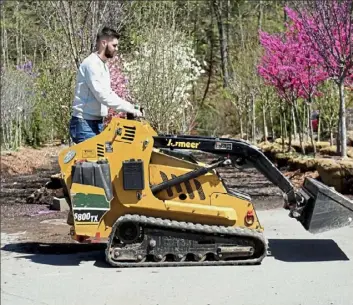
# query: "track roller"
139,241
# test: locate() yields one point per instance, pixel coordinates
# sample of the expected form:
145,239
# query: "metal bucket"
326,209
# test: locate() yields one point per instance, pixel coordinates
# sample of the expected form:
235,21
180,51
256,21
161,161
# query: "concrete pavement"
303,269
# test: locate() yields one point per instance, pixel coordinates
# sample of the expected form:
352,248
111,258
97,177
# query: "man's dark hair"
107,32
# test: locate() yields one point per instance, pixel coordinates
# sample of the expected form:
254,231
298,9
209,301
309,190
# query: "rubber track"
191,227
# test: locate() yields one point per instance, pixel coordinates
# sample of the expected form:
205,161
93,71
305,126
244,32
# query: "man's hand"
137,113
133,113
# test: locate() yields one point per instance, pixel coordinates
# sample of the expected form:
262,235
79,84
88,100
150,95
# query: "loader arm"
315,205
240,152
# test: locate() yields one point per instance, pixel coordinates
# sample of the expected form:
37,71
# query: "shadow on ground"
59,254
306,250
287,250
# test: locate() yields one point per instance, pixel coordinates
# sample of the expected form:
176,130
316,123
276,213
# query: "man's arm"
103,92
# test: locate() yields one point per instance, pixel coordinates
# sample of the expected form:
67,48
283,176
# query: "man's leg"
81,130
100,127
96,126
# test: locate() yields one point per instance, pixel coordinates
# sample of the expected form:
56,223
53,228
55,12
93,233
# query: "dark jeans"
81,129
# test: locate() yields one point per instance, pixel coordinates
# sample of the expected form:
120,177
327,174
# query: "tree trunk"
66,19
338,137
4,138
4,39
34,55
241,127
17,35
260,16
17,131
93,26
331,136
296,114
311,127
318,128
211,43
264,123
285,126
222,41
342,121
240,21
294,123
230,71
228,23
247,124
272,126
21,41
305,126
282,131
291,122
253,119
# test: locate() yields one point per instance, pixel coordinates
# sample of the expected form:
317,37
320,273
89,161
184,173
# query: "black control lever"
130,116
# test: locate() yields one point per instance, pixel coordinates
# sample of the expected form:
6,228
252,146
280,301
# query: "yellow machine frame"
123,140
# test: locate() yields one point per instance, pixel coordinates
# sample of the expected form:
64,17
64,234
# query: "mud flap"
326,209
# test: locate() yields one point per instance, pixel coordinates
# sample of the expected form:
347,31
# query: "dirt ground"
24,172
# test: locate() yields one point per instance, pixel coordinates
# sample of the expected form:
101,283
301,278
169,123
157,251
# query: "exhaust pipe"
325,208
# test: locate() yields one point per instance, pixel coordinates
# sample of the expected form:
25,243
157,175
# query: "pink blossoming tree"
289,66
119,84
317,45
308,67
276,69
327,25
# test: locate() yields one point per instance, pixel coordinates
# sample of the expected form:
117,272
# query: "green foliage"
17,99
57,35
54,92
34,134
328,106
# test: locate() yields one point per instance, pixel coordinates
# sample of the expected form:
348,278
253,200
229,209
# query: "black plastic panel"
133,175
95,174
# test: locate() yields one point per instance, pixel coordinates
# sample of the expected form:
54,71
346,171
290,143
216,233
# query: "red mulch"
27,160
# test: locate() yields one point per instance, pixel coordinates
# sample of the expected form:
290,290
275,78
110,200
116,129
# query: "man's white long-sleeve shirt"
93,92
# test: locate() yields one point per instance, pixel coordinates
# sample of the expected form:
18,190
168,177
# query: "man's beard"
108,54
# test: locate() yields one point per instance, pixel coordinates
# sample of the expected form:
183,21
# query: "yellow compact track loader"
154,204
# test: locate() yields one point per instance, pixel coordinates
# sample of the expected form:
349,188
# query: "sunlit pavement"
301,269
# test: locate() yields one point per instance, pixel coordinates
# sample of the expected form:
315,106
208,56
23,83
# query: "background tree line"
192,64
